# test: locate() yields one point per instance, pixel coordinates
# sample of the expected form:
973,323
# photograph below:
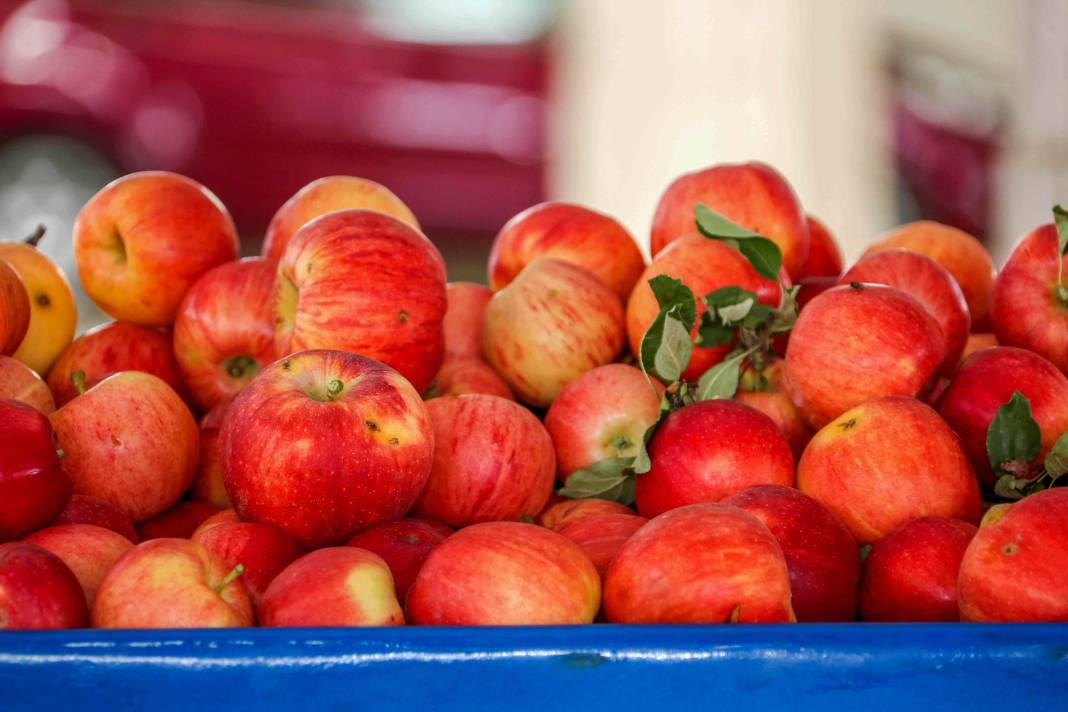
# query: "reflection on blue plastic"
801,667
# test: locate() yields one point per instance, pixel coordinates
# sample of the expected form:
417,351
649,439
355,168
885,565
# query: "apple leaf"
1060,221
1013,437
666,346
607,479
786,315
761,252
671,292
1056,461
712,331
721,381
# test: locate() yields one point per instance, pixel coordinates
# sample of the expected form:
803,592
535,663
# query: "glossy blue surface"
800,667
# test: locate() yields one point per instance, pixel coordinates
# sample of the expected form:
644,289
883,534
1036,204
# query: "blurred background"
877,111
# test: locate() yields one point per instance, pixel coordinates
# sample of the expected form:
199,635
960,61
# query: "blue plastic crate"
796,667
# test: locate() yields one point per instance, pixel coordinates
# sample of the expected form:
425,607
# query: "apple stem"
239,366
230,578
36,236
77,379
333,388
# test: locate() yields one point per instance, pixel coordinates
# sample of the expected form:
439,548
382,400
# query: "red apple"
224,329
824,256
753,195
977,342
886,462
208,482
820,553
178,522
404,545
364,282
110,348
38,591
601,537
810,288
171,583
766,392
462,324
704,266
337,586
559,514
131,441
86,509
570,233
958,253
21,383
985,381
493,460
89,551
143,240
911,575
262,549
709,450
33,486
1016,567
505,573
1027,311
602,414
323,444
856,343
462,375
14,309
327,195
932,286
704,563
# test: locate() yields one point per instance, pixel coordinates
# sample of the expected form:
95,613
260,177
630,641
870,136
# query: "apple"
820,553
131,441
766,392
911,575
568,232
824,256
601,537
208,482
462,324
859,342
493,460
505,573
178,522
1016,567
322,444
327,195
171,583
559,514
602,414
336,586
551,324
38,591
224,329
703,563
404,545
364,282
21,383
462,375
811,287
886,462
753,195
33,486
1027,310
262,549
977,342
109,348
14,309
704,266
53,312
932,286
958,253
86,509
143,240
985,381
88,550
709,450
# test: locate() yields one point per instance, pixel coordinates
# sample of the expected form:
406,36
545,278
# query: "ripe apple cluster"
331,434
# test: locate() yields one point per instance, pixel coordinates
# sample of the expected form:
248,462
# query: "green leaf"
759,316
1056,462
607,479
1013,437
712,331
666,346
1008,487
671,292
735,312
727,296
721,381
761,252
1060,220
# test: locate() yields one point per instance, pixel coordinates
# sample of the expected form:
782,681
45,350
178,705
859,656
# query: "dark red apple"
34,488
89,551
87,509
38,591
601,537
178,522
404,545
557,514
207,482
824,256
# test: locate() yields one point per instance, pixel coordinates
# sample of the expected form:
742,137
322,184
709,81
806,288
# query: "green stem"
333,388
230,578
77,379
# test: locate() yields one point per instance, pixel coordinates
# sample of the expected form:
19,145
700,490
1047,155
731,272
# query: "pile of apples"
737,431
